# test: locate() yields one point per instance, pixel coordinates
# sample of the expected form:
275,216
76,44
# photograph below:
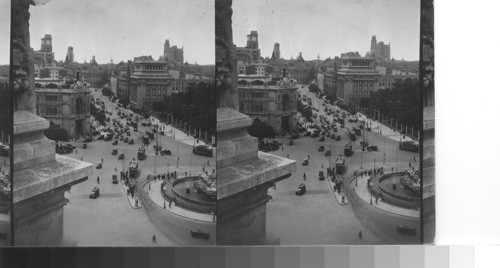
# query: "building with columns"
272,102
67,106
356,77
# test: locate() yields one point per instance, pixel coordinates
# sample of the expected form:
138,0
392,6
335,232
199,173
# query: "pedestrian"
392,169
102,160
81,158
170,203
308,157
115,169
360,235
208,162
322,165
304,176
274,186
76,151
287,155
282,148
98,182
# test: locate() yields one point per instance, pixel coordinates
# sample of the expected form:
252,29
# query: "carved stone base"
243,177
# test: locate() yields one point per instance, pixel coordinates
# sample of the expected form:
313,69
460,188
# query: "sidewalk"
336,194
155,195
363,193
129,197
179,134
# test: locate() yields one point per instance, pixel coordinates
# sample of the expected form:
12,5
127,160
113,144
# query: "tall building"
70,58
173,54
380,50
356,77
251,52
253,40
44,57
271,102
276,52
67,106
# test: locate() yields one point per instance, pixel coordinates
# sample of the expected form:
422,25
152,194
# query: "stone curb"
337,196
129,198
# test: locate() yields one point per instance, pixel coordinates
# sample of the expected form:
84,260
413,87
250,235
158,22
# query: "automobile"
372,148
364,143
337,138
88,139
294,136
166,152
302,189
125,139
114,179
305,162
322,138
333,136
95,193
114,152
290,142
121,156
321,148
121,137
84,146
328,152
131,141
200,234
101,137
108,137
321,175
307,134
98,166
327,134
115,142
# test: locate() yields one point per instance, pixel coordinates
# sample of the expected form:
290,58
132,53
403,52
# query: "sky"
329,27
124,29
5,30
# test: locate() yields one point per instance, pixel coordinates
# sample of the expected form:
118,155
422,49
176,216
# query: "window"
258,95
51,110
50,98
257,107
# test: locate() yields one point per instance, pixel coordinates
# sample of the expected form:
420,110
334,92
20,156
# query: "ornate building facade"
67,106
272,102
356,77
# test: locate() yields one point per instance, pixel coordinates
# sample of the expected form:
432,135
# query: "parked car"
337,138
321,148
372,148
121,156
115,142
114,152
328,152
131,141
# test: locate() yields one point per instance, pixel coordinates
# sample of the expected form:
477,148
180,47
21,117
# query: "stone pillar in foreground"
243,174
40,175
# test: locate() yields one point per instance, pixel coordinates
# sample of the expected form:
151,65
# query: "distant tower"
276,51
93,62
69,55
253,40
46,43
166,47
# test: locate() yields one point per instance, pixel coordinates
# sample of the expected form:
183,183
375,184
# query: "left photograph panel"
114,123
5,127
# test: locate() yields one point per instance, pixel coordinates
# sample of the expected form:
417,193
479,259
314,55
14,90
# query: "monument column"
40,177
243,174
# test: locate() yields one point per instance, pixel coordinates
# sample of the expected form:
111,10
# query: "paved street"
111,220
316,217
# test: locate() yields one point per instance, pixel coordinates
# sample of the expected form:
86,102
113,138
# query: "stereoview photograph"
318,122
114,123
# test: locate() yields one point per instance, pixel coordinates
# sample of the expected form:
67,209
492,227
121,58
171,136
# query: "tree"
313,88
44,73
56,133
261,130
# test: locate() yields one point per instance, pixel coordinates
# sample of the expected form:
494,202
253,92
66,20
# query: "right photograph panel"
319,118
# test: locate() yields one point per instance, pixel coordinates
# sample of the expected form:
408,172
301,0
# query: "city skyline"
123,30
327,27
